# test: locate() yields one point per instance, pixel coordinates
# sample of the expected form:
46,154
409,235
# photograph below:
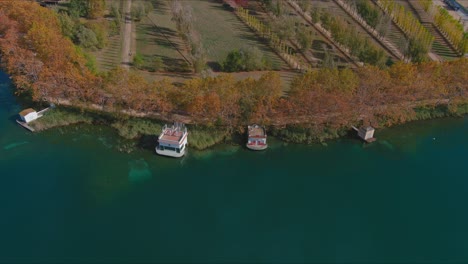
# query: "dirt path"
127,35
187,119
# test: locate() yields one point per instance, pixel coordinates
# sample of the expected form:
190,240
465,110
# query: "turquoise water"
70,195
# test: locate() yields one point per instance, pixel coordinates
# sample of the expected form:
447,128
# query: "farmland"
221,32
157,37
319,48
440,46
165,52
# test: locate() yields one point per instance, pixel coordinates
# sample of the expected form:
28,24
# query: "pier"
29,115
25,125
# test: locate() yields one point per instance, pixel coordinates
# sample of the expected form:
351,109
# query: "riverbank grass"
59,117
202,138
134,128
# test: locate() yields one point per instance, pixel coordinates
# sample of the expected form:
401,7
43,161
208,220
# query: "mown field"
157,37
110,56
221,32
316,54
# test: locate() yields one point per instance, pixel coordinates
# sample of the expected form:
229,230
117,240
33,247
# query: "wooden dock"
41,113
25,125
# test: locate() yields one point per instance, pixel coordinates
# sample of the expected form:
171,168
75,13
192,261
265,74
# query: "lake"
70,195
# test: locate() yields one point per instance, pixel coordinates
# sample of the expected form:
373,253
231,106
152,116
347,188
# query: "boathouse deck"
170,135
256,132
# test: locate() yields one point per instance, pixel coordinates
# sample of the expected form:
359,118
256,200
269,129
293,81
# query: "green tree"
304,38
245,59
417,50
234,61
315,14
86,38
138,11
283,26
252,59
369,12
78,8
91,62
67,25
138,61
115,12
100,30
95,8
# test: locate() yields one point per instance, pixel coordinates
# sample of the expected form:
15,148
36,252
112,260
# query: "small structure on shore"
29,115
366,133
172,141
257,138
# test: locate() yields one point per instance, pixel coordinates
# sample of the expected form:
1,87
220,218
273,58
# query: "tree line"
46,65
447,24
420,39
347,35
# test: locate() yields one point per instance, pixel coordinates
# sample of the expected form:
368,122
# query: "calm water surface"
69,195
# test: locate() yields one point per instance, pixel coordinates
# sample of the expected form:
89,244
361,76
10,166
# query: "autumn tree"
95,8
40,59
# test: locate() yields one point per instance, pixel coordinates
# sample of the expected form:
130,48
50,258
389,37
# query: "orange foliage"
46,64
38,57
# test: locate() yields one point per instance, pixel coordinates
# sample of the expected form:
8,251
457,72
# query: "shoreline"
205,137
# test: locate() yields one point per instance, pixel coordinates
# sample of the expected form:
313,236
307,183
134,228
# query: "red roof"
25,112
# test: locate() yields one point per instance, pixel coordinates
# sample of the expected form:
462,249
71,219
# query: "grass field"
221,32
316,54
110,56
157,37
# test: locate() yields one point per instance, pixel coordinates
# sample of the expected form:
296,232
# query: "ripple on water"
138,171
14,145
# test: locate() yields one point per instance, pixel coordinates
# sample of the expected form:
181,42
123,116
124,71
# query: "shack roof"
27,111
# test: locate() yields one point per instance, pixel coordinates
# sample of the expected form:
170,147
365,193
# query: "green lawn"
221,32
157,37
110,56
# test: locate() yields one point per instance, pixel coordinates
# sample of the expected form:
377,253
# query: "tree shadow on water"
148,142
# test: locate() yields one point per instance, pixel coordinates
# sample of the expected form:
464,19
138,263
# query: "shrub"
253,59
233,62
245,59
91,62
368,12
86,38
67,25
100,30
304,38
156,64
138,61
